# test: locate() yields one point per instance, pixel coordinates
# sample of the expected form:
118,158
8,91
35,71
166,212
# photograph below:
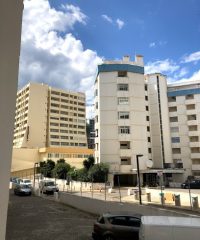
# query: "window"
122,87
194,139
54,136
149,139
96,105
149,150
191,117
53,130
193,128
171,99
145,87
173,119
147,118
125,161
134,222
190,106
124,130
175,139
148,129
174,129
189,96
120,220
123,115
122,74
195,150
195,161
123,100
147,108
176,150
172,109
146,98
125,145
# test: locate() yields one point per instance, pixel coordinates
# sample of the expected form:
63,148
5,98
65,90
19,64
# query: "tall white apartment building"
121,118
132,118
184,116
49,117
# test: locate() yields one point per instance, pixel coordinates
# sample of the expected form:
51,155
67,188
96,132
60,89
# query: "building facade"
121,118
49,117
91,133
132,119
184,117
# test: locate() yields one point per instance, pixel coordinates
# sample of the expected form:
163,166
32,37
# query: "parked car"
22,189
167,227
193,184
117,226
48,186
26,181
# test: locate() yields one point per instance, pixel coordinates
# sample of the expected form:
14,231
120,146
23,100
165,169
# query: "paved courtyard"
35,218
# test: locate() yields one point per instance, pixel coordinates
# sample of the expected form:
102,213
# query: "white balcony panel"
195,155
193,133
125,152
194,144
195,167
192,122
126,168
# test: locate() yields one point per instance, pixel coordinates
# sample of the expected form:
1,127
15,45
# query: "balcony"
190,101
192,122
195,167
193,133
195,155
126,168
194,144
125,152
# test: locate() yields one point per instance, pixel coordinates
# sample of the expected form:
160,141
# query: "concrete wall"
10,35
96,206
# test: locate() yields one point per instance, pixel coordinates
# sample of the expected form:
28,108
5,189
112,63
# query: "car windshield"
50,184
27,181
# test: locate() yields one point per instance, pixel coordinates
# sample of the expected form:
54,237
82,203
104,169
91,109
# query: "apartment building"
49,117
184,117
132,119
121,121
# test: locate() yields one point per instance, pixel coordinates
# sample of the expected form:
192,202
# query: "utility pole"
138,173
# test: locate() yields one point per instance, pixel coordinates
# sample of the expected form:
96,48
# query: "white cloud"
107,18
50,53
120,23
153,44
193,57
181,73
195,77
162,66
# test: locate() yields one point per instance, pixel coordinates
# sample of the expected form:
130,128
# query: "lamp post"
138,173
35,172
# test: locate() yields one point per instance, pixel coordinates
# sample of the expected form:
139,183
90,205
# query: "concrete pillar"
10,35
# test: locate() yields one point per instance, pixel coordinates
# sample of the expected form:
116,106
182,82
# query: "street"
37,218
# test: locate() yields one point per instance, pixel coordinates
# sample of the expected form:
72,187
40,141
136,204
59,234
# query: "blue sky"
63,40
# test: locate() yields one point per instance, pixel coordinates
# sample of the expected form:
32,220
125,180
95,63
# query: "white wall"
10,35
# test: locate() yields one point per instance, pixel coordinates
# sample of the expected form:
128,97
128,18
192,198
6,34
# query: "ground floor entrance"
125,180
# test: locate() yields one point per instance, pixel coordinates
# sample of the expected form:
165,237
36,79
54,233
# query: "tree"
46,167
88,163
61,169
82,175
98,172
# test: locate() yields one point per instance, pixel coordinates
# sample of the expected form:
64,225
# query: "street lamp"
138,173
35,172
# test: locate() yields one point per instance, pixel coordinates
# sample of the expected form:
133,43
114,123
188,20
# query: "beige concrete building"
47,117
24,159
184,116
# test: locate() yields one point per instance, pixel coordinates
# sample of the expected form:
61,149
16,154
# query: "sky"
63,41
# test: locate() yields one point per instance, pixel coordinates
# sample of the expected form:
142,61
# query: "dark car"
193,184
117,226
22,189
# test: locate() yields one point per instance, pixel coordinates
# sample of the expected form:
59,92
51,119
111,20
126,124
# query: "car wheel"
108,237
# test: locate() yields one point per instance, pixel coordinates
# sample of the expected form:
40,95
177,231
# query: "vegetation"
62,170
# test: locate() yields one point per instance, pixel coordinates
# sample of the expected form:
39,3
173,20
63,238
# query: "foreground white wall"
10,34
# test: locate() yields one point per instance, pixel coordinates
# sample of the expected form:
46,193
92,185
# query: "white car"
26,181
48,186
